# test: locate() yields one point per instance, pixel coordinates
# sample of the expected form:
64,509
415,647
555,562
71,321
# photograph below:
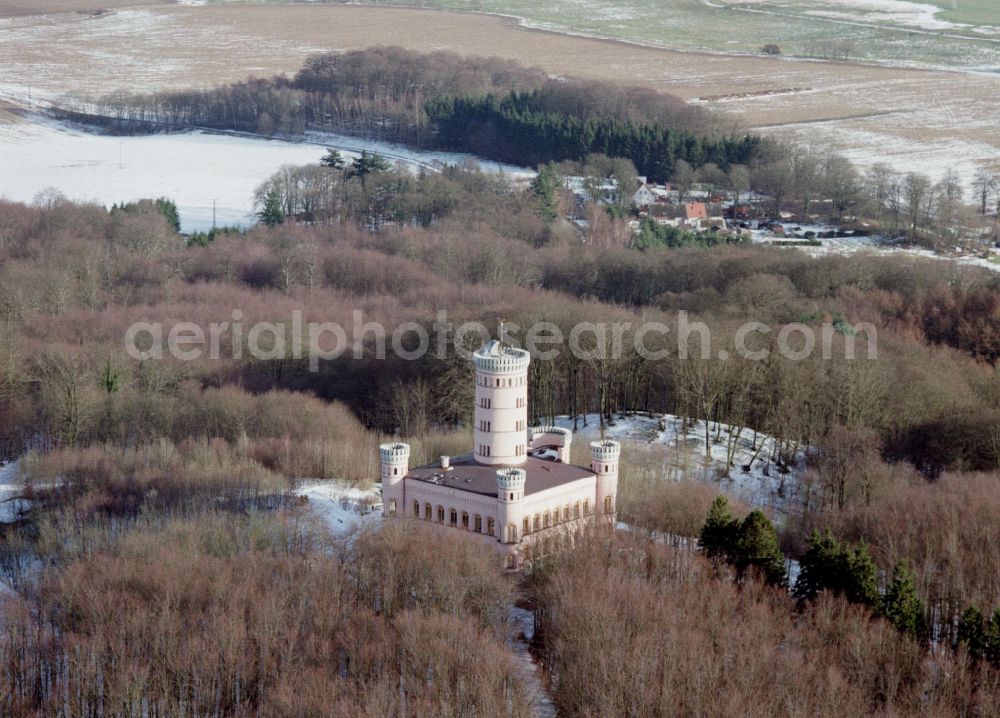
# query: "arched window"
545,520
477,524
453,516
607,504
428,512
510,533
490,526
440,514
511,561
392,507
465,520
416,509
525,528
576,510
555,515
537,523
566,515
586,507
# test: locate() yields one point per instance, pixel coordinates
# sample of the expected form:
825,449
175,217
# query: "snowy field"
753,477
191,168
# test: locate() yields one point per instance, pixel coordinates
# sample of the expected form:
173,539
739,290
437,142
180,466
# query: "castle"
516,490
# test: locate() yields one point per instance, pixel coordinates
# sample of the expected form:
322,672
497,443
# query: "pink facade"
516,489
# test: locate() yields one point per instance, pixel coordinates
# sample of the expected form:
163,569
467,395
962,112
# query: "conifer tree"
901,605
818,566
757,546
333,160
860,583
545,189
272,212
718,534
991,640
972,632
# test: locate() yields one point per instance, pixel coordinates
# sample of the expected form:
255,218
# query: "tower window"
392,507
607,504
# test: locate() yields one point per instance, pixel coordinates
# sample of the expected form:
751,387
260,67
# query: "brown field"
19,8
920,119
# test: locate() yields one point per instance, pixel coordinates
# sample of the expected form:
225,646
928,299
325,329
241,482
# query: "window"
440,514
490,526
576,510
537,522
566,512
477,524
607,504
510,533
454,517
545,520
525,528
555,515
392,507
428,512
465,521
511,561
586,507
416,509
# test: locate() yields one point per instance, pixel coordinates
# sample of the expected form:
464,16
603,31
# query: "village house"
516,490
695,216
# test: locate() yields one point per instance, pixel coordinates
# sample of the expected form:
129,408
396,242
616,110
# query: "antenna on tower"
500,333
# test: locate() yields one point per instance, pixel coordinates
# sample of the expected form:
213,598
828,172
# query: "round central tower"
501,410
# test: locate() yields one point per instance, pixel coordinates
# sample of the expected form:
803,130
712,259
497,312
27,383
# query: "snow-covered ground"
753,477
342,506
11,489
194,169
795,232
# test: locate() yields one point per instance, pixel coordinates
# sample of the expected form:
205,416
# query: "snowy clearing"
342,506
754,477
192,168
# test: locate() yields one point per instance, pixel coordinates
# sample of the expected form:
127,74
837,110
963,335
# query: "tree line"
517,128
495,108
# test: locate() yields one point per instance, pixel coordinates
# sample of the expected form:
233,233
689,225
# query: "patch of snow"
11,489
341,505
192,168
752,476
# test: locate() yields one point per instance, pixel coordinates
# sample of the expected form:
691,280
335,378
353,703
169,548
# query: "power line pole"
213,213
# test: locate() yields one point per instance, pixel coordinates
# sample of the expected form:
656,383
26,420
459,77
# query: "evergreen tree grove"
748,544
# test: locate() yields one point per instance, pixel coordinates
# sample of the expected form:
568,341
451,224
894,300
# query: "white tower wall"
604,457
500,417
510,512
395,458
